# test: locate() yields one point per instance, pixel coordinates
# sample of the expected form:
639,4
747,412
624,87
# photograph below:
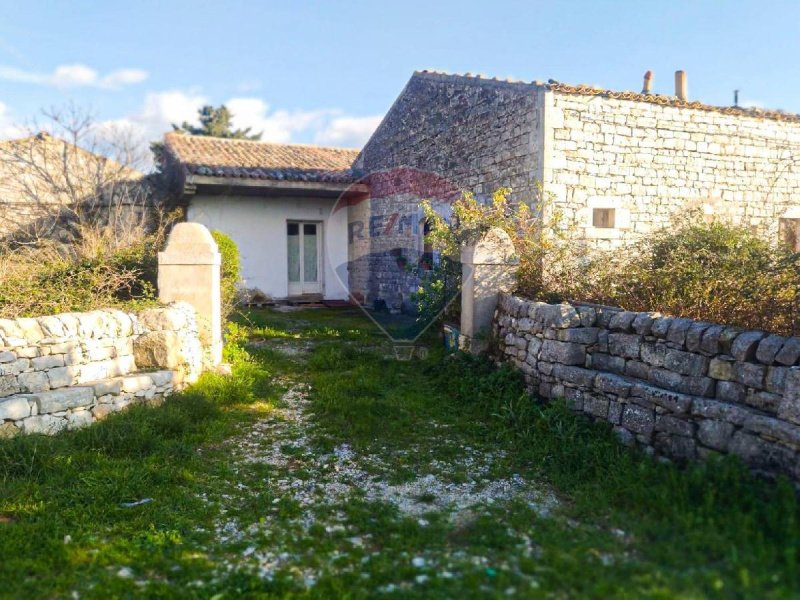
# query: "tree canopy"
216,122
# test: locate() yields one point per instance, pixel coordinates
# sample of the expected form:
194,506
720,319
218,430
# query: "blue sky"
325,72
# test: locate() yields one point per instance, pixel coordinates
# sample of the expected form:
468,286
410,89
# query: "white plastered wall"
258,226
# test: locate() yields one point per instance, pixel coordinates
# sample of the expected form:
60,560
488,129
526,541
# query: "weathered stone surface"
587,315
763,401
52,326
654,353
638,419
101,411
774,428
8,430
622,321
673,401
715,434
105,387
685,363
730,391
745,345
61,377
63,399
8,385
768,348
35,381
565,353
721,368
694,336
661,327
674,425
685,384
31,330
7,356
714,409
637,369
136,383
709,344
624,344
612,384
643,323
79,419
789,353
47,362
14,408
605,362
728,337
676,446
614,412
558,316
678,330
750,374
595,405
776,379
579,335
575,375
43,424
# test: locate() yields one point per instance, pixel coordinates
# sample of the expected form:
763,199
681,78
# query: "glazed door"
305,259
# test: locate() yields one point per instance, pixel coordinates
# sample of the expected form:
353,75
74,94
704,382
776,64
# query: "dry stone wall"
66,371
681,388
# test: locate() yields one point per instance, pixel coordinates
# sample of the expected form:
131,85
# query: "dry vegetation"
82,225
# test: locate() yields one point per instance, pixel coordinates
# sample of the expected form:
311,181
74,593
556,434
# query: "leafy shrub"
230,272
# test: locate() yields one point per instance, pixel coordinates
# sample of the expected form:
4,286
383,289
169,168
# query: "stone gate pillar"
488,268
189,271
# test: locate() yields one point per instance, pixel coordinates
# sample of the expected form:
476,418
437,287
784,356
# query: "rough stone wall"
681,388
650,162
65,371
447,133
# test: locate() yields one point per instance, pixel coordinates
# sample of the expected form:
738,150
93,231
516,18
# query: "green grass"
624,525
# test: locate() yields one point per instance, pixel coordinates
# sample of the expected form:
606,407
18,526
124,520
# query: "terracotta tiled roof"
588,90
219,157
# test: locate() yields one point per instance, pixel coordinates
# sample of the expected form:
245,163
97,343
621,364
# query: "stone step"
79,405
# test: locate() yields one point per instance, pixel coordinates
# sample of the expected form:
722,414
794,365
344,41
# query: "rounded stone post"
488,268
189,271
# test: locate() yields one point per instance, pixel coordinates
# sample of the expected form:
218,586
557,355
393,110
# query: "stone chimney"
647,85
681,86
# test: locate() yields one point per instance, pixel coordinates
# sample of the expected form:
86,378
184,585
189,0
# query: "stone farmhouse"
618,164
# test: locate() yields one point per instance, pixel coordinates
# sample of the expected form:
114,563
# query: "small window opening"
603,218
789,233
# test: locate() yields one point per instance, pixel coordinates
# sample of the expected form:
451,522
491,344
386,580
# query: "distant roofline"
240,140
588,90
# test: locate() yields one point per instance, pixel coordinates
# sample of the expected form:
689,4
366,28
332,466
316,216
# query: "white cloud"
74,75
159,111
348,131
8,129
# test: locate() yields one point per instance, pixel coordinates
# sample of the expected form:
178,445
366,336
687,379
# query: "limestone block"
643,323
685,384
6,356
35,381
685,363
774,428
101,411
163,319
31,330
557,316
637,369
776,379
14,408
714,409
674,402
595,406
136,383
43,424
721,368
765,401
106,387
678,330
676,446
661,327
612,384
579,335
566,353
674,425
695,334
52,326
574,375
715,434
728,337
789,354
601,361
745,345
63,399
79,419
710,344
638,419
731,392
623,321
8,430
626,345
654,354
8,385
61,377
750,374
587,314
47,362
768,348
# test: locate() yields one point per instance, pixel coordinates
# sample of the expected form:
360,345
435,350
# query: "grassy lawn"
326,468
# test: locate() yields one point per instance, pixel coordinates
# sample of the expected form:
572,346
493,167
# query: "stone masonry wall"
650,162
66,371
681,388
445,134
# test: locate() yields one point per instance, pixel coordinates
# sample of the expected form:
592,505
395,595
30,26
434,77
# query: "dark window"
293,228
309,229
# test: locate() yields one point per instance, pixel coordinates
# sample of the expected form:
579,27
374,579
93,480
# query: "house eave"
205,184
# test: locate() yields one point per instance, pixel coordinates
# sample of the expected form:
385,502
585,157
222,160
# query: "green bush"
231,271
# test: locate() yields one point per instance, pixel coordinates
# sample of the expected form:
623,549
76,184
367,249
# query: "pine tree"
216,122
